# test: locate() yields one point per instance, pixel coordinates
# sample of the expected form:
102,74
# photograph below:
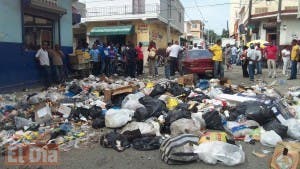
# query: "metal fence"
122,10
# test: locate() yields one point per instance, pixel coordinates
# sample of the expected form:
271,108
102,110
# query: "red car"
198,61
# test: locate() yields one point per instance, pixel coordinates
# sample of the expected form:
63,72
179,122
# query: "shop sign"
142,27
156,36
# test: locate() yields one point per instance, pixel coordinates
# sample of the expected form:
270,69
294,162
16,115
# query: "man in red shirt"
271,56
140,60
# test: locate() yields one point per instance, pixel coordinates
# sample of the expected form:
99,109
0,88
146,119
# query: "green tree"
211,34
225,33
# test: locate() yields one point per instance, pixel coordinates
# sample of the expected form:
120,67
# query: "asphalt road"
101,158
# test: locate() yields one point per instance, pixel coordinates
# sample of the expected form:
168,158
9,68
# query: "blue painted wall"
10,19
18,68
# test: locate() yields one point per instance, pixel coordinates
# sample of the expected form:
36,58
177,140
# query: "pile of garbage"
186,123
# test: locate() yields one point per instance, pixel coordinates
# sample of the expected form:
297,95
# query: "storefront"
31,23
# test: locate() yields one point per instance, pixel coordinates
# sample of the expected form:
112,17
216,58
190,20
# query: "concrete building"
120,21
25,25
193,30
266,23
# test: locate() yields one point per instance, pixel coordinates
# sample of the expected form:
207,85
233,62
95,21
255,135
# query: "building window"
179,17
194,25
261,10
37,31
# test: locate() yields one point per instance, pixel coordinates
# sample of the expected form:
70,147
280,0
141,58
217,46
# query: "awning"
112,30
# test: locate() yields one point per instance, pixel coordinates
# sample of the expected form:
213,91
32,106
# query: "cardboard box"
186,80
77,59
293,153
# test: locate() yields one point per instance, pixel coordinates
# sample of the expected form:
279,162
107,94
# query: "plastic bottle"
284,161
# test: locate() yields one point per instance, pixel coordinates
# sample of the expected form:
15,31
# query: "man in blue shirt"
94,52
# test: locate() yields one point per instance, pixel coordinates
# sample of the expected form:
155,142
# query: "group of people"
103,59
51,62
252,59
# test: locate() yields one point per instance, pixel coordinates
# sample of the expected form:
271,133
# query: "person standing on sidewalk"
174,52
252,56
294,58
234,53
43,58
271,56
244,61
57,61
152,58
259,59
167,64
286,54
140,59
217,59
94,52
228,56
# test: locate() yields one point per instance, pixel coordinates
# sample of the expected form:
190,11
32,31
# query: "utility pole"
278,23
169,19
249,18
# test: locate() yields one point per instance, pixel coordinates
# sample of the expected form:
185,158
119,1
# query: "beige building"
193,31
265,22
119,21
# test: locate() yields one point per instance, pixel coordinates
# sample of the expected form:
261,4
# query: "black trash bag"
114,140
75,89
146,143
82,111
96,112
117,99
98,123
213,120
141,114
277,127
131,135
177,114
154,107
175,89
258,112
158,90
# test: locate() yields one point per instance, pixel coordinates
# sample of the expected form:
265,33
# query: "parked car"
197,61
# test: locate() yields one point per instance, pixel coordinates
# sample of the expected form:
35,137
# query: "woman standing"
140,60
152,58
286,54
244,61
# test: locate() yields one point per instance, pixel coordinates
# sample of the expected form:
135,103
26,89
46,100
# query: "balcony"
123,11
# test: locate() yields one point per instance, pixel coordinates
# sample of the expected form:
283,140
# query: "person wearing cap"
271,56
294,58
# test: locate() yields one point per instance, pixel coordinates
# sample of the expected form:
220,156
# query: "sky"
213,11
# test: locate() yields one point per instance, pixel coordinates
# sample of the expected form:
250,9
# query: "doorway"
116,39
271,37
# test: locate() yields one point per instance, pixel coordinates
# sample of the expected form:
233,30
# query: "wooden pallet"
109,93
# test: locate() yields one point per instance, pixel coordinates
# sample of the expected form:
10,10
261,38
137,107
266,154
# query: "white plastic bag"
43,115
293,128
212,152
115,118
131,101
184,126
198,120
270,138
144,127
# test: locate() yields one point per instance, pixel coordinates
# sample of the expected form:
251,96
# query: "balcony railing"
123,10
47,2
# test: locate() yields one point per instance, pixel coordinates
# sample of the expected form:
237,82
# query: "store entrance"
117,39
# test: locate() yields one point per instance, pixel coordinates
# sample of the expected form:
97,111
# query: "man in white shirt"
234,53
252,56
173,53
43,58
195,47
